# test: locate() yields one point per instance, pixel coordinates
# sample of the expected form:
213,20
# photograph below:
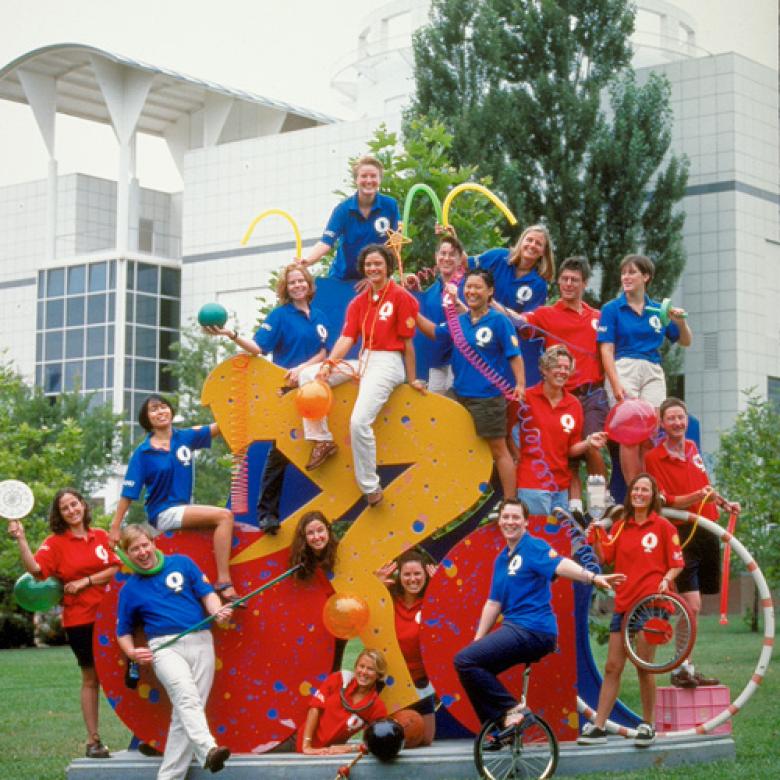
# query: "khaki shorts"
640,379
489,415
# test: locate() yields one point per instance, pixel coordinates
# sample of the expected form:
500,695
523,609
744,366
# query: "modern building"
67,241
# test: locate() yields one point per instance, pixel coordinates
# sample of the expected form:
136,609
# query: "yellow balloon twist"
279,212
497,202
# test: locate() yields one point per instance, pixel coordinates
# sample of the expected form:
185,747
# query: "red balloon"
313,400
632,421
345,615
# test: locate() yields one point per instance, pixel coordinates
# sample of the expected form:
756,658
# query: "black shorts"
80,641
702,561
426,705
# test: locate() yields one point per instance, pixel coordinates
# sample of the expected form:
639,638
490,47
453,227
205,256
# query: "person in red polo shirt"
550,434
679,470
571,321
82,559
383,317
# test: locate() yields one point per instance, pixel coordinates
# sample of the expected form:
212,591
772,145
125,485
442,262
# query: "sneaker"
97,749
320,452
215,760
270,525
591,734
682,678
145,749
702,680
645,735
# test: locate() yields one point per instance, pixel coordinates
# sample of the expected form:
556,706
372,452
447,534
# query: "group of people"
592,360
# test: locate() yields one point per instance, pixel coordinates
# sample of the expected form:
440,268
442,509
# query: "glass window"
76,279
94,375
55,282
130,305
111,308
128,372
74,375
145,375
54,313
41,284
74,343
147,278
39,346
773,391
110,340
168,382
39,316
110,373
170,282
169,313
96,308
167,337
96,341
128,339
112,275
54,345
38,375
75,310
130,275
145,342
146,309
98,276
52,378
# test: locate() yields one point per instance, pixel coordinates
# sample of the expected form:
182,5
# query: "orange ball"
314,399
345,615
413,725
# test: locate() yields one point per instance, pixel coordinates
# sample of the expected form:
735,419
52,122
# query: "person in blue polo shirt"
164,464
492,336
520,592
295,333
356,222
165,604
630,339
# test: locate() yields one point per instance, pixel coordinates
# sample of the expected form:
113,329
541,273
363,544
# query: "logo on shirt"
594,323
175,581
128,483
101,553
567,423
514,565
483,336
381,225
523,294
655,323
515,342
184,454
418,617
649,542
698,461
385,311
266,326
355,722
602,329
322,332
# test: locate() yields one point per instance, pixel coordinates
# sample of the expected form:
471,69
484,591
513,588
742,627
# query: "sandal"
96,749
231,599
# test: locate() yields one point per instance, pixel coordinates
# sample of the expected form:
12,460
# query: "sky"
287,50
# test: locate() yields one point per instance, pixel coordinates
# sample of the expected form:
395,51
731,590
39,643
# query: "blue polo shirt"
494,338
521,293
164,603
637,336
521,584
440,352
167,475
353,231
291,335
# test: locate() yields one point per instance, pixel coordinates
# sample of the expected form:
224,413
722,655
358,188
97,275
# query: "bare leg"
630,461
647,695
89,701
429,723
610,686
221,520
504,465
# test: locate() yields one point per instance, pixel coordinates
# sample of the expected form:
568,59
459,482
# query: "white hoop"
16,499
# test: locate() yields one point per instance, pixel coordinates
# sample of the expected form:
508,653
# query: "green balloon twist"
433,197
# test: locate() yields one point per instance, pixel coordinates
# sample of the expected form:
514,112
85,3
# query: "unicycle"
527,750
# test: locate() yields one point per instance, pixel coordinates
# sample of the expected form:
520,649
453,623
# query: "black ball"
384,739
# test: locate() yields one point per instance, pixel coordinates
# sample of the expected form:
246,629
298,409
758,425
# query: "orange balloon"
313,400
413,725
345,615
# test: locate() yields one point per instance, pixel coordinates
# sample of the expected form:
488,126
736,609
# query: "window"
147,278
98,277
56,282
76,279
773,391
146,309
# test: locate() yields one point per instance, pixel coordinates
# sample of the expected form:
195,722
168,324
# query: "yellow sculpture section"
448,469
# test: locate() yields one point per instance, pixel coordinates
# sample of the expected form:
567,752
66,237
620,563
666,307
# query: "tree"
748,471
519,84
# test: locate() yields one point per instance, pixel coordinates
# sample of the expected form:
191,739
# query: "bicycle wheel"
658,632
527,751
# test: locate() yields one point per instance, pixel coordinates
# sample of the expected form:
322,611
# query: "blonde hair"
378,657
366,159
282,293
546,263
132,531
549,357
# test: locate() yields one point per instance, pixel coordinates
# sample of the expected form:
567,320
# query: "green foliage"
520,84
197,354
748,471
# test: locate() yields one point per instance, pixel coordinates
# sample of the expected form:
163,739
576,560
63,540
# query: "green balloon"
37,595
212,314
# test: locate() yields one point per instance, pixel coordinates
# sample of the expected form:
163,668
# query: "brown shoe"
375,497
320,452
702,680
215,760
96,749
682,678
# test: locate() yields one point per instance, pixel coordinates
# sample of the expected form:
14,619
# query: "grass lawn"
41,728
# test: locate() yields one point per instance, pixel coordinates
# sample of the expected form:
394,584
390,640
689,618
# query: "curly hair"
56,521
301,554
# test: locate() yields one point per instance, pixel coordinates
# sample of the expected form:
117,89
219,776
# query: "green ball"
212,314
37,595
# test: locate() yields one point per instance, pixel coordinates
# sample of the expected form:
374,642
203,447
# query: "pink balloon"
631,421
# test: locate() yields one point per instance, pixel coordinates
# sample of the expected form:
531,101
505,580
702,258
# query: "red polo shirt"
577,328
407,629
559,427
677,476
383,320
68,557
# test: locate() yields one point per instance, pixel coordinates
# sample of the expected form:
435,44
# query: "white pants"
382,372
440,379
186,671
